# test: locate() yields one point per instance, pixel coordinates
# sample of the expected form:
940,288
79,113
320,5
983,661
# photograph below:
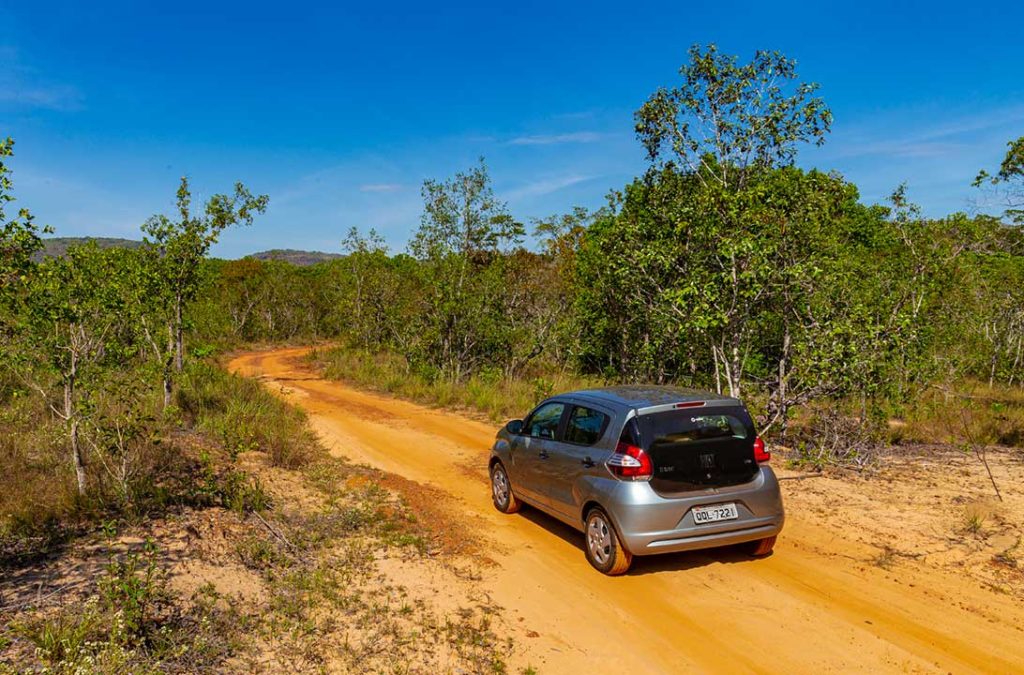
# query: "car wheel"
501,490
762,547
604,550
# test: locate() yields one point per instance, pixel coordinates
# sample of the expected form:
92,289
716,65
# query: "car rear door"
577,451
531,451
696,448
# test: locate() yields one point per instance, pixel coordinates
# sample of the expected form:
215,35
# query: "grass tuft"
244,417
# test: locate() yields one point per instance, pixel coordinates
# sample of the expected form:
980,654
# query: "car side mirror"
515,427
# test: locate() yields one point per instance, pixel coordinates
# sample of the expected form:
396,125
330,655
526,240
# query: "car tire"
762,547
601,543
502,495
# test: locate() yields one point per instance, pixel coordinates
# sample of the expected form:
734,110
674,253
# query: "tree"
367,265
727,119
462,216
174,252
74,325
19,237
19,244
463,230
550,283
715,143
1009,180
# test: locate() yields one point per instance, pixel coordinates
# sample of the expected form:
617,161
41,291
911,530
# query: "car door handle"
587,462
543,454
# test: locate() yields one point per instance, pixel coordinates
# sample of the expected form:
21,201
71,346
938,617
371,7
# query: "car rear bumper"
649,523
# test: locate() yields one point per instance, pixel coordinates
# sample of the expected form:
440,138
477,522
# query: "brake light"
689,404
761,453
630,463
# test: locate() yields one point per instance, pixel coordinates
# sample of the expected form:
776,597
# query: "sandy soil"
876,574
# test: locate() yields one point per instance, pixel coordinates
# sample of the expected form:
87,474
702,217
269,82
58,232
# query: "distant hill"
58,246
300,258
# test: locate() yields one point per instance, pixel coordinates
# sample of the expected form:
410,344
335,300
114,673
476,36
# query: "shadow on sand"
648,564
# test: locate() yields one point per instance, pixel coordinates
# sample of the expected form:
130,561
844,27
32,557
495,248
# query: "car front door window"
543,423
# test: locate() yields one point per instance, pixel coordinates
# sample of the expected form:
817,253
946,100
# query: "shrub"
130,624
245,417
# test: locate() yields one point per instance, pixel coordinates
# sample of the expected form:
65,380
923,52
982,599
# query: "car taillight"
761,454
630,463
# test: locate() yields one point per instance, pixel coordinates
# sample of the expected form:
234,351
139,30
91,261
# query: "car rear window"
681,428
585,426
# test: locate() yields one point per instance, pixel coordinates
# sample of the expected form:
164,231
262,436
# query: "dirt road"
816,605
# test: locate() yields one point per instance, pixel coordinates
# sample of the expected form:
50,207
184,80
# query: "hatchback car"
641,470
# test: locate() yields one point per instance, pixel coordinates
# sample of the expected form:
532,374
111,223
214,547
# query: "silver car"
641,470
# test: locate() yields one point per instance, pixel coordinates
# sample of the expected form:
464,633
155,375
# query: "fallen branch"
38,600
294,549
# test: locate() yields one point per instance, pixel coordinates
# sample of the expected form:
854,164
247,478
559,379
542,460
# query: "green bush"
245,417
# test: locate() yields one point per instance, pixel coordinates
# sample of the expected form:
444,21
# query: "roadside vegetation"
490,393
847,327
850,329
158,514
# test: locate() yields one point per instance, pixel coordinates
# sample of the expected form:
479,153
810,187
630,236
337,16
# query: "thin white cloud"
970,123
899,148
58,97
555,139
578,115
546,186
945,137
21,85
381,187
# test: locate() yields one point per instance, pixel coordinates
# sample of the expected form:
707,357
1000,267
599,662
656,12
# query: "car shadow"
647,564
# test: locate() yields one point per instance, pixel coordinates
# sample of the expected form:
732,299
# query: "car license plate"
715,513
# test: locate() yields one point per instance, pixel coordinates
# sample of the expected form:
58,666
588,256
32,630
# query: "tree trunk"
735,372
76,456
718,371
169,363
179,340
72,421
168,388
992,368
783,406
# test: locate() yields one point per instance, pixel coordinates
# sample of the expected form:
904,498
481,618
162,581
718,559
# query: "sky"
339,111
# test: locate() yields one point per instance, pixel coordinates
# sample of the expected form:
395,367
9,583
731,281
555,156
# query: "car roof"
647,395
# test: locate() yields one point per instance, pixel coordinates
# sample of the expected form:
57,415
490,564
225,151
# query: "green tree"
463,230
716,141
367,266
728,119
1009,181
74,325
19,236
463,216
551,280
175,250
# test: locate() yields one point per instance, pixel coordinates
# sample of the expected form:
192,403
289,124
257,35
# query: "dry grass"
254,504
243,416
163,463
946,415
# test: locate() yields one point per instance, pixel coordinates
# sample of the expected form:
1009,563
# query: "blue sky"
339,112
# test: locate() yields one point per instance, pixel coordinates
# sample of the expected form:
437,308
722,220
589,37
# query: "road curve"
816,605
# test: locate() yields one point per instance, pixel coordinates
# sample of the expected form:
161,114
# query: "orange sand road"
813,606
